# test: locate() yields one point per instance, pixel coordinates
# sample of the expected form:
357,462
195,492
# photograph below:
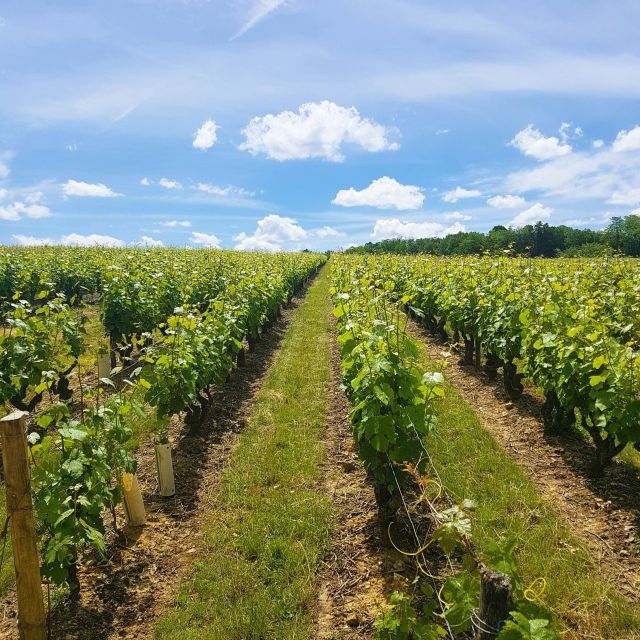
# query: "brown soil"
604,512
360,570
123,594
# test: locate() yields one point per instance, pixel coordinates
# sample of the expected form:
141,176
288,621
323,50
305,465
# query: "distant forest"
622,236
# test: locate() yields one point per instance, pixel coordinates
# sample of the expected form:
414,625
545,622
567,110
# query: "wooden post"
495,604
17,478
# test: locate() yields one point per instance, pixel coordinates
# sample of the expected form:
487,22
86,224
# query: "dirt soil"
124,593
603,512
360,571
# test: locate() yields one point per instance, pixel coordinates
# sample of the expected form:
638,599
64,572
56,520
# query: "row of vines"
570,327
176,322
392,419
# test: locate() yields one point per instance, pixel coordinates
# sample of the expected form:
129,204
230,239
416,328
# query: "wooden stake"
17,478
133,502
495,604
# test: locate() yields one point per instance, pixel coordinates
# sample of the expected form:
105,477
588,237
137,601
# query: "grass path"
473,465
269,525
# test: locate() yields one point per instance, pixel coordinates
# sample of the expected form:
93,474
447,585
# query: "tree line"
621,236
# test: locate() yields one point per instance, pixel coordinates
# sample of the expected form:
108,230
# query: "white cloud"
216,190
394,228
147,241
15,210
627,140
456,215
205,239
260,10
533,214
3,193
4,170
176,223
383,193
327,232
566,134
205,137
71,147
531,142
91,240
506,202
460,193
145,182
272,232
78,188
31,241
169,184
317,130
9,213
583,222
629,197
598,144
579,176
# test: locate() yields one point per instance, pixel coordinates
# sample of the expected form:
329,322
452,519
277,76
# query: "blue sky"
280,124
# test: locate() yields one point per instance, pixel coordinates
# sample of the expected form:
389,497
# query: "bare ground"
123,593
603,512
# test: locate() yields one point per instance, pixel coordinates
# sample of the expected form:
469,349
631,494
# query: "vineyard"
336,477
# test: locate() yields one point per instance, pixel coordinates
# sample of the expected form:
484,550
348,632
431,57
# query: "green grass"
269,526
7,575
473,465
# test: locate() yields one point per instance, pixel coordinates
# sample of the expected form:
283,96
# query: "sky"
290,124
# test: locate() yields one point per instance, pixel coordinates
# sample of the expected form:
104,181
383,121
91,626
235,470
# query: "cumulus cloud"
205,239
579,176
394,228
224,192
260,10
506,202
627,140
176,223
169,184
272,232
4,169
456,215
383,193
91,240
31,241
147,241
534,213
3,193
28,207
145,182
205,137
459,193
327,232
629,197
598,144
531,142
87,189
316,130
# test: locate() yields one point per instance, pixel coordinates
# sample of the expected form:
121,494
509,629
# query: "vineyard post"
495,603
31,616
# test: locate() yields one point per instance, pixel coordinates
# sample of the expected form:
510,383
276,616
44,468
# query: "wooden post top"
16,415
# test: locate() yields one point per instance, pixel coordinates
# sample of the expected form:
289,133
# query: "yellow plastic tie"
406,553
533,593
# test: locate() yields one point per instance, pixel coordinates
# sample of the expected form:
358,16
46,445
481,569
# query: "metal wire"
417,538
